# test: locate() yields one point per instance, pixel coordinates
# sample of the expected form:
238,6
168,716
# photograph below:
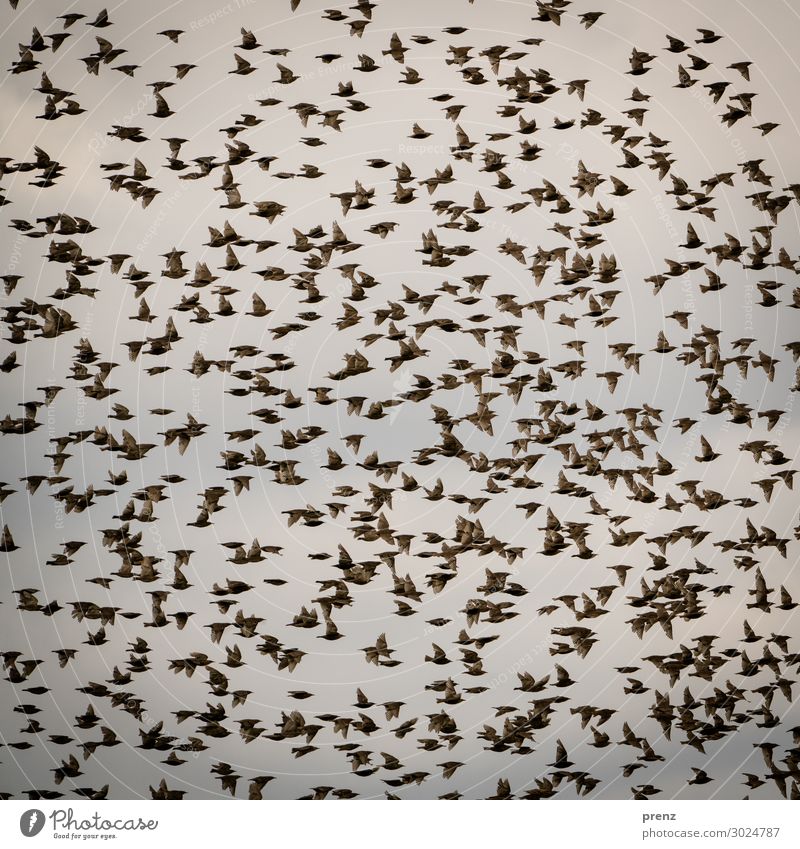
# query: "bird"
420,313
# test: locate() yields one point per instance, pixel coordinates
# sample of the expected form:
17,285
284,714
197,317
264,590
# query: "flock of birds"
698,691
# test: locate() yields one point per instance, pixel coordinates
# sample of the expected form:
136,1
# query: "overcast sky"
647,230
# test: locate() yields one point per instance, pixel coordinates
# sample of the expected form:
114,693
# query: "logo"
31,822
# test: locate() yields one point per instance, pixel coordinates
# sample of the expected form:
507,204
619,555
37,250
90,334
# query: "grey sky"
647,230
